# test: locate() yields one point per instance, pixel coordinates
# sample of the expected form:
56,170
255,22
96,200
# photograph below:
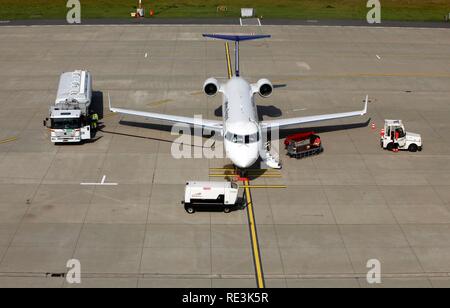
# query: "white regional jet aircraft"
240,127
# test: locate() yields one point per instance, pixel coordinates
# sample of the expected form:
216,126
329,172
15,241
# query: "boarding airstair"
270,157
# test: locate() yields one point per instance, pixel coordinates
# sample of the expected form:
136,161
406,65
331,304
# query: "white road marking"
259,22
240,21
101,183
303,65
300,109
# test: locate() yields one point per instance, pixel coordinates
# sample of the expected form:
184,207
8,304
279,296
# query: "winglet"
364,111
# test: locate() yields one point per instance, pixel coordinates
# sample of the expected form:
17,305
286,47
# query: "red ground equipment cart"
303,145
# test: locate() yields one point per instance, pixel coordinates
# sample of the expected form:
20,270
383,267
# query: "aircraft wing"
282,123
209,124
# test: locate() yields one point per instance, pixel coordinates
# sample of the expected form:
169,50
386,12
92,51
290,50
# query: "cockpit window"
253,138
247,139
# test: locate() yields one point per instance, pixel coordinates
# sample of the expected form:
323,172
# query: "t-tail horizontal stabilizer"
236,39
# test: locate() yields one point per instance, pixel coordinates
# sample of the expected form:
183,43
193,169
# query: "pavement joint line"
149,203
159,102
19,225
331,185
306,24
369,75
237,276
390,210
254,238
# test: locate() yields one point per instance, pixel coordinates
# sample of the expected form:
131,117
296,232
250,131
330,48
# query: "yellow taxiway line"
368,75
248,170
227,52
256,175
8,140
254,237
159,102
263,186
250,212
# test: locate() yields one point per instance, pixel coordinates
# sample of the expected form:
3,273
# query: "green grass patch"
412,10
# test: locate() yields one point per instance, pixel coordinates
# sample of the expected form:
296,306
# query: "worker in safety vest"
94,120
394,136
316,142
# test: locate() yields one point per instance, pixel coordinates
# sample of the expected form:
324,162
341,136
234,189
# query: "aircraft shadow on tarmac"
251,173
153,126
323,129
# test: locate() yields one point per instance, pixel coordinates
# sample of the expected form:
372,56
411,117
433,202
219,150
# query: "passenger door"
402,137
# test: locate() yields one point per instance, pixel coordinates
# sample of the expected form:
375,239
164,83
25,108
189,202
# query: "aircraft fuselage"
242,136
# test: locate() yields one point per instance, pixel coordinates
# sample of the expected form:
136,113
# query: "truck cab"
395,137
68,126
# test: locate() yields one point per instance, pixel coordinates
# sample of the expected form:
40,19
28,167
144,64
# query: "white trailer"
70,116
394,137
210,196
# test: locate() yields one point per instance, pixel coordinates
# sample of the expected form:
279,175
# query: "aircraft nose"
241,163
245,160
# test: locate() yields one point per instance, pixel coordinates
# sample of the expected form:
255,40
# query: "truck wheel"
390,146
190,210
413,147
226,210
